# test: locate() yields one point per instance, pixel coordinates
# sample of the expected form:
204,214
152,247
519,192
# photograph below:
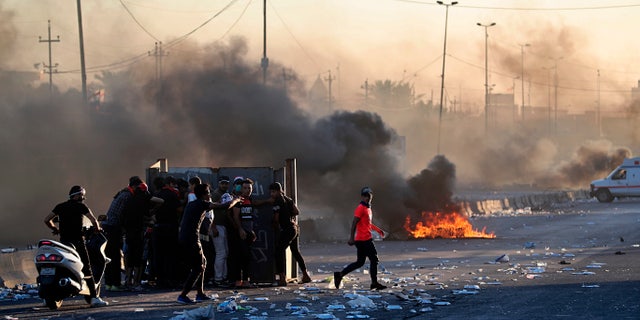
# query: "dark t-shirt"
70,215
247,213
135,210
284,206
191,221
168,211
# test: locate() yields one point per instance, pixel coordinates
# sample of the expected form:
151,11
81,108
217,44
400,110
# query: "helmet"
76,190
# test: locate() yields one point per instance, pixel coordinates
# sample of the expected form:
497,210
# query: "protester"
361,237
223,202
70,217
285,220
165,234
241,237
137,209
205,238
113,228
190,244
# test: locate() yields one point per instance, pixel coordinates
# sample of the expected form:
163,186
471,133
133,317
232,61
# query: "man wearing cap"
362,239
223,201
70,216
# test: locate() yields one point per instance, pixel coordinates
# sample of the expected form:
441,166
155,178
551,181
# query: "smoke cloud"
211,108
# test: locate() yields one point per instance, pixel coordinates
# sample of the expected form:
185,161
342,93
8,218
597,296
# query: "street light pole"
487,97
444,58
522,75
555,120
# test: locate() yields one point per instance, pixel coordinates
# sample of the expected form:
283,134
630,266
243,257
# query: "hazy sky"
208,84
358,40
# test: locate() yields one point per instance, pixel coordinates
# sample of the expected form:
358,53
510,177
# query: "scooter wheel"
53,304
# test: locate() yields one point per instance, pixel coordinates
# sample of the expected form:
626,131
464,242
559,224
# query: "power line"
138,22
293,36
184,37
531,8
506,75
137,58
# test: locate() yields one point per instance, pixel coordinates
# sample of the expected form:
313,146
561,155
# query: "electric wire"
137,22
293,36
528,8
185,36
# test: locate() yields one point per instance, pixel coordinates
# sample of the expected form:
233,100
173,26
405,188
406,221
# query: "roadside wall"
17,267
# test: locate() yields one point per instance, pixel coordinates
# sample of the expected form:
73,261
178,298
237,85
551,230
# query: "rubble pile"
19,292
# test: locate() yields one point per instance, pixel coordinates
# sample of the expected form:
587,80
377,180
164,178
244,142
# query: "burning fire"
444,225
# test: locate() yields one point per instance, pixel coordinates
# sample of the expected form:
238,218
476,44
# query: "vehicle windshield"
619,174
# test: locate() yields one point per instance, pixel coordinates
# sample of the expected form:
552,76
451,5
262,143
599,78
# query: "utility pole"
82,64
548,98
365,86
264,63
50,66
285,78
599,117
522,76
330,80
555,122
487,97
444,59
158,53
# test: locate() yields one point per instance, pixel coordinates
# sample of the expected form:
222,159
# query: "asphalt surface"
580,261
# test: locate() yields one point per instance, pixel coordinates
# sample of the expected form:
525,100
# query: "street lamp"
522,75
548,95
486,74
444,57
555,121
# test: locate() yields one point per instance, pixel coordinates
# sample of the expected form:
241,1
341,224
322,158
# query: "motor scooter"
59,268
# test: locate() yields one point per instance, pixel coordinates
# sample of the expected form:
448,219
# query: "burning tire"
603,195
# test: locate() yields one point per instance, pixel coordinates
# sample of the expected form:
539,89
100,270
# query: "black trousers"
165,254
81,248
366,249
113,250
288,238
196,262
239,257
209,253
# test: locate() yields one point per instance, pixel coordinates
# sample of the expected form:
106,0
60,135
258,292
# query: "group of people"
186,235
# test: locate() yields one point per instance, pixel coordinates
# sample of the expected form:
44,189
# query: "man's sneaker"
184,300
378,286
306,279
337,278
97,302
115,288
202,298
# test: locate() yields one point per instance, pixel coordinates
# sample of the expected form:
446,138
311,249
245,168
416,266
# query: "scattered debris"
203,313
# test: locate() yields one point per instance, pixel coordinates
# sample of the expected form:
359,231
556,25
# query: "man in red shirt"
362,239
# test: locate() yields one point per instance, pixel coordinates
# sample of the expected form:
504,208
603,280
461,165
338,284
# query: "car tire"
603,195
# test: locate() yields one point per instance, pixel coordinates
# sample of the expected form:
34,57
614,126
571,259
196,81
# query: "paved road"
583,262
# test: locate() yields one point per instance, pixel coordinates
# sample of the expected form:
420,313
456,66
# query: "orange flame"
444,225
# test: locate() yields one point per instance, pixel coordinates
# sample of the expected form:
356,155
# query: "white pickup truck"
624,181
